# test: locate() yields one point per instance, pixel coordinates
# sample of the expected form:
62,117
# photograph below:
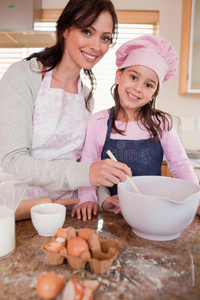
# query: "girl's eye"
86,32
148,85
133,77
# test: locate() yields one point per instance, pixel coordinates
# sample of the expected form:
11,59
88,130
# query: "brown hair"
80,14
149,116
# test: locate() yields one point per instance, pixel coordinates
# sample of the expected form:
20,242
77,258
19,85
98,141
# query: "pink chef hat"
151,51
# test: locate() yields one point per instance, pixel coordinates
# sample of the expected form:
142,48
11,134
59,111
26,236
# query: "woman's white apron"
59,126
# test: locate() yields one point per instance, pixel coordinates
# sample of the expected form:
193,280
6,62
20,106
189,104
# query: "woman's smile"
89,57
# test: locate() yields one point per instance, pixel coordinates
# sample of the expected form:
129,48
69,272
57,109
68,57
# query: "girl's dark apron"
144,157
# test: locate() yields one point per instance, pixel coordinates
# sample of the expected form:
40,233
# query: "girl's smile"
136,87
133,97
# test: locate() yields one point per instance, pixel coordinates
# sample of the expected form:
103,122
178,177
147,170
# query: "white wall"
185,106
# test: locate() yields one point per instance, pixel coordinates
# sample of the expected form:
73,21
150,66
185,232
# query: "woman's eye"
106,39
86,32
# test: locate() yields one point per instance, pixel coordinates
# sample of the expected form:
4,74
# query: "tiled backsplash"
188,124
198,124
190,132
188,129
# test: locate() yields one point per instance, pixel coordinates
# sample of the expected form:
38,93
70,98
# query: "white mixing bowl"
48,217
166,207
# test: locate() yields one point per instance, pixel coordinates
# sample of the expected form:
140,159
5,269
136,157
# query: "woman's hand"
112,204
108,172
85,210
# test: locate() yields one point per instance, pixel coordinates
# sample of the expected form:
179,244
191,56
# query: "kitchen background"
185,107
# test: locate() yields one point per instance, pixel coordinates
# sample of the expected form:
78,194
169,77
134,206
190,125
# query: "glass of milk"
12,189
7,231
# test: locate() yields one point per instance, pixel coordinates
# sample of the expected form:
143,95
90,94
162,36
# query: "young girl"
135,131
45,106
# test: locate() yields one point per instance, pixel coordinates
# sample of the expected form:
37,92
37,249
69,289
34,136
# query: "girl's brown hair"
80,14
149,116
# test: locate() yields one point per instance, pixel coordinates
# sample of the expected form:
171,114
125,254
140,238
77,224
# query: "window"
145,23
10,55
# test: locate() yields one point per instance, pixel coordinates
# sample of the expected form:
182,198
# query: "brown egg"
76,246
84,233
49,285
56,245
66,233
91,284
62,232
75,290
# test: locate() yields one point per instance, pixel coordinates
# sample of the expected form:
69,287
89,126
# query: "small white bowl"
166,207
48,217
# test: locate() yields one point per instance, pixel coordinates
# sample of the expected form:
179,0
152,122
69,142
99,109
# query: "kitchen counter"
143,269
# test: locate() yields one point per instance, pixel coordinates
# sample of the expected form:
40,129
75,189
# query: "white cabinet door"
194,49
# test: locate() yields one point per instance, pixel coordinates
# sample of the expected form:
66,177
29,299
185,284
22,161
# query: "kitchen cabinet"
165,170
189,80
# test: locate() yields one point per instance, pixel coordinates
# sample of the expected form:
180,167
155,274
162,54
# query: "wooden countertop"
143,269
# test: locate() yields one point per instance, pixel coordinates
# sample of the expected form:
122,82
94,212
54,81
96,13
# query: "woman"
45,106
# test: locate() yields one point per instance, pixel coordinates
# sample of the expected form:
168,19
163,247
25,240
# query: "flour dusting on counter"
142,270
